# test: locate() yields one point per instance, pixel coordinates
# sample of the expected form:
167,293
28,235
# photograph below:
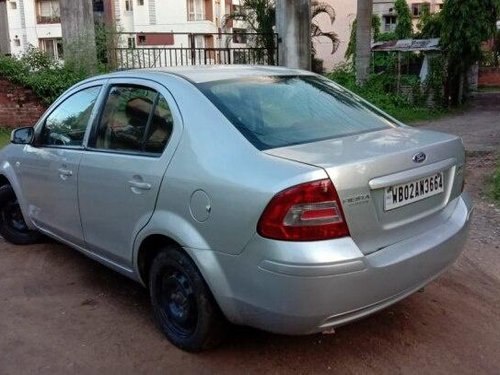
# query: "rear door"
49,169
131,144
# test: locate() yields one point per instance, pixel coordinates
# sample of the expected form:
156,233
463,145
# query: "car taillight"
305,212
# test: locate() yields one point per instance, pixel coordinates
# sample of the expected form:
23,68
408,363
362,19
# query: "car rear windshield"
281,111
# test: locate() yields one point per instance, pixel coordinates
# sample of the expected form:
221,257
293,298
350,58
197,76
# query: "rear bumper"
301,288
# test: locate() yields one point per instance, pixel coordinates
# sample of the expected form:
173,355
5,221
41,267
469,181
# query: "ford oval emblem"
419,158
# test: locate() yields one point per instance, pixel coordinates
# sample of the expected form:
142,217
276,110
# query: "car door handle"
139,185
65,173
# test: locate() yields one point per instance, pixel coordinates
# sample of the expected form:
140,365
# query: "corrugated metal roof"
407,45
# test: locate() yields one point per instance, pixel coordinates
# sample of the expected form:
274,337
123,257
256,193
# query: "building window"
17,42
390,23
48,11
196,10
52,47
13,5
239,36
418,8
131,42
140,2
129,5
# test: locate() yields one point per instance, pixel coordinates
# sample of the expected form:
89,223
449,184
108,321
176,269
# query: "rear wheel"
12,225
183,306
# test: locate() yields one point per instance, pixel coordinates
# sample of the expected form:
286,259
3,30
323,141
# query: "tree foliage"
47,77
318,8
429,25
260,16
465,25
404,26
350,53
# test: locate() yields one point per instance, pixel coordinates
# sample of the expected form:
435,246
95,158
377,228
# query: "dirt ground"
61,312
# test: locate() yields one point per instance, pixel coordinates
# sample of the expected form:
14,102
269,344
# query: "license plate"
413,191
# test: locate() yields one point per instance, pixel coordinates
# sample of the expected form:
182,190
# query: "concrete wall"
489,77
18,105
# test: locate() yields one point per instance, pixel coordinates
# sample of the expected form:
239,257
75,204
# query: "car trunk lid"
365,169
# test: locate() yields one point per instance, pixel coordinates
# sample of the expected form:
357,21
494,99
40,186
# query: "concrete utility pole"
77,23
293,24
363,40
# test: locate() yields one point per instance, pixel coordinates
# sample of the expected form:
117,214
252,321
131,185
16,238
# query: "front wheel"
183,305
12,225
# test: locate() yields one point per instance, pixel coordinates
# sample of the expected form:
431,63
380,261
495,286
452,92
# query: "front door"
122,169
49,169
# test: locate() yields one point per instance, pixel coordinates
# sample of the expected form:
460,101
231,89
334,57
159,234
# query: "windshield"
281,111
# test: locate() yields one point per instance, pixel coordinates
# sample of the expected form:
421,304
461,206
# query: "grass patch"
489,89
4,136
416,114
495,184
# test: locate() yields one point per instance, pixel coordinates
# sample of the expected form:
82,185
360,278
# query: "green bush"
495,184
380,90
47,78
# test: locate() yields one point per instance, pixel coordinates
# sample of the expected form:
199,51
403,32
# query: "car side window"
66,125
134,119
160,128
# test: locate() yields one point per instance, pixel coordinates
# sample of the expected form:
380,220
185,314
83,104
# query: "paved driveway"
61,312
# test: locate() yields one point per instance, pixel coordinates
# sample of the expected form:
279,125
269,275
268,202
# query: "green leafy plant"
404,26
47,78
380,90
465,25
430,25
495,184
350,53
260,16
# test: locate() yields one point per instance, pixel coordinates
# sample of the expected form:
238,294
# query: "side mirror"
22,136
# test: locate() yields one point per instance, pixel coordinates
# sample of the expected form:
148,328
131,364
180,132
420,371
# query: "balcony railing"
46,19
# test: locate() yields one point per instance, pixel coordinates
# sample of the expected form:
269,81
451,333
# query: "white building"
151,23
385,10
30,22
150,16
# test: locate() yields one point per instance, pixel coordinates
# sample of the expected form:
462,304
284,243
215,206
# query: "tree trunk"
363,40
77,24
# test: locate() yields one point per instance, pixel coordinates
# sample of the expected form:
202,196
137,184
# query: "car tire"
12,225
183,306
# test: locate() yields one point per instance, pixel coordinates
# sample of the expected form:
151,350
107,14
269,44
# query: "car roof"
207,73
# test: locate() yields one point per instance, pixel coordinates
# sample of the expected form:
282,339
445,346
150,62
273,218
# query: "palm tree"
260,16
318,8
363,39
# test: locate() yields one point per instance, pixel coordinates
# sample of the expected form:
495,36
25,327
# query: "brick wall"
18,105
489,77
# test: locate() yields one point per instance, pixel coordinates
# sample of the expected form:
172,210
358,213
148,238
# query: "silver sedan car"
260,196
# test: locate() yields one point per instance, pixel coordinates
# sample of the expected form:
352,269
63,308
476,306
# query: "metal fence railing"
149,50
